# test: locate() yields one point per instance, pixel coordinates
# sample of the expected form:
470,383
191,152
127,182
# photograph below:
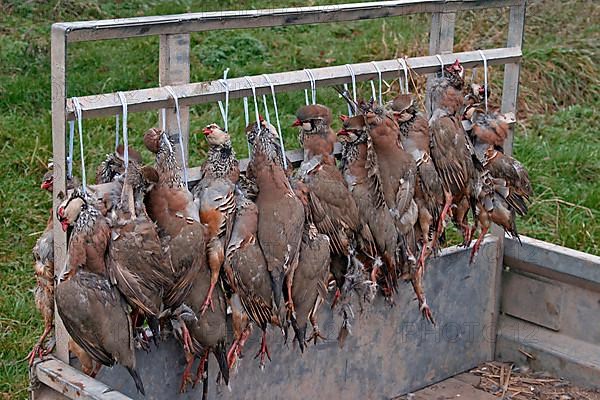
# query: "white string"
267,116
380,82
441,62
116,131
177,115
351,70
313,87
485,79
225,110
70,156
80,128
164,119
350,113
125,138
404,65
373,91
277,120
255,108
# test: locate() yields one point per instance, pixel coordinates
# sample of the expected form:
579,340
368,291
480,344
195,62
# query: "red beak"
60,212
342,132
297,122
343,117
46,185
207,131
456,64
64,224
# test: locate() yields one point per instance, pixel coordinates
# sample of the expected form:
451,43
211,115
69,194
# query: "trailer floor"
494,380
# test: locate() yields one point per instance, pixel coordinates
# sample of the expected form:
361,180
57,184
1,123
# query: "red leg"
264,350
38,349
186,372
236,348
208,301
484,230
186,338
336,297
200,370
417,283
445,210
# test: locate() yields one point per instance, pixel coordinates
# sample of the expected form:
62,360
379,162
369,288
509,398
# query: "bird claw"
426,312
316,334
208,302
36,352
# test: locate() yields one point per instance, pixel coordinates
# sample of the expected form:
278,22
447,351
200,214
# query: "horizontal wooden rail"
207,21
73,383
207,92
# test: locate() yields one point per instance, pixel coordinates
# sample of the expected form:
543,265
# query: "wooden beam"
72,383
174,69
510,88
58,58
206,92
207,21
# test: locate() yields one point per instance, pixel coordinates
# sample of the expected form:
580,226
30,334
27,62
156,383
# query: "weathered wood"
58,58
72,383
533,299
207,92
174,69
391,351
553,352
197,22
510,88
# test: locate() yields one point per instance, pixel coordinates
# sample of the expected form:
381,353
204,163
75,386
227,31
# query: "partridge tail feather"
220,353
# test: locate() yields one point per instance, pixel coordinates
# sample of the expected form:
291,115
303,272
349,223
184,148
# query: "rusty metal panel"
392,350
533,299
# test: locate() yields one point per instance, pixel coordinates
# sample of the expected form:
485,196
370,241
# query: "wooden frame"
174,33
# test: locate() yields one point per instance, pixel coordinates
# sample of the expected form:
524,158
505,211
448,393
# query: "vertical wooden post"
58,59
510,91
510,88
174,69
441,36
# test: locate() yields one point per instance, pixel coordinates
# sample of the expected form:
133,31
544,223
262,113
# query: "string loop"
380,98
441,62
80,128
277,120
485,79
225,110
404,66
125,138
313,87
178,116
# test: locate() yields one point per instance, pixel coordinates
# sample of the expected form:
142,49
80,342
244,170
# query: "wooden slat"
206,92
174,69
197,22
531,298
58,91
74,384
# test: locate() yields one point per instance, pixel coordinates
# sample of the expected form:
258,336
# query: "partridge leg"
484,230
200,371
38,350
417,283
316,333
445,210
186,338
186,377
336,297
216,256
264,350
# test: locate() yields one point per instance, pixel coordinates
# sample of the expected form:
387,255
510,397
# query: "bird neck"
168,167
221,160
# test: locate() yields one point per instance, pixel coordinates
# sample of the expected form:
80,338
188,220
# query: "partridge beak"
64,224
297,122
207,131
343,132
343,117
46,185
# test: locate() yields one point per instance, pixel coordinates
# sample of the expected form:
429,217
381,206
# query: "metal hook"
125,138
225,110
380,81
313,87
277,120
78,116
404,66
485,79
441,62
177,114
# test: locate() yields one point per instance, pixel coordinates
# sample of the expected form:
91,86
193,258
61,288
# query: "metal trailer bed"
536,297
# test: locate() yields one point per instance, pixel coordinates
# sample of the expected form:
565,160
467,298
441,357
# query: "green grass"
557,139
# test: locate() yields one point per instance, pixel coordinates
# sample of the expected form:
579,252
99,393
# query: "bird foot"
316,334
232,354
200,372
264,351
142,340
426,312
36,352
208,302
187,376
187,339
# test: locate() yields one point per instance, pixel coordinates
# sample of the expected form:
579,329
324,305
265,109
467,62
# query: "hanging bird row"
268,243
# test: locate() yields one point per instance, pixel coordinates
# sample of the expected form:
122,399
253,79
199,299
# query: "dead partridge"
354,136
137,263
281,214
171,206
310,283
429,193
246,266
113,165
92,310
215,197
451,150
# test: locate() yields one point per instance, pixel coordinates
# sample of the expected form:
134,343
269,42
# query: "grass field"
557,138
